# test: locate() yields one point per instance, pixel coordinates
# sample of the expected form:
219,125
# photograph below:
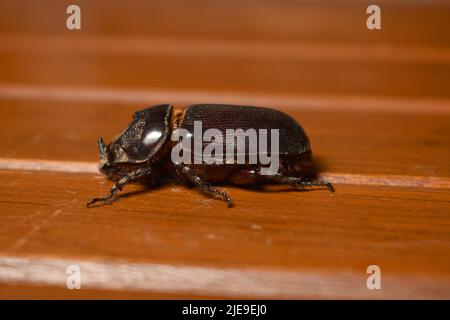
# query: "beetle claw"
330,187
104,200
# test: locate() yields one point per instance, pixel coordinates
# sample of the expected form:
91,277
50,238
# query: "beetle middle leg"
206,187
299,183
134,175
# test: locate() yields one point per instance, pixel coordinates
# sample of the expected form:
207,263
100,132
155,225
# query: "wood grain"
375,105
236,73
286,48
265,232
152,229
14,291
385,143
405,23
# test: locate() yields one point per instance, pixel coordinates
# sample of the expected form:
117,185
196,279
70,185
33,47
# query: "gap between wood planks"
145,277
343,178
221,48
298,102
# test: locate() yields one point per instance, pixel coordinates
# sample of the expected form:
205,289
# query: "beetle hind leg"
205,187
301,184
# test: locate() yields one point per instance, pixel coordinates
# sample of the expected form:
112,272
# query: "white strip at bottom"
232,282
49,165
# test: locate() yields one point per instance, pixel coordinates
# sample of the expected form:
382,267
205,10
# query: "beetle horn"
101,147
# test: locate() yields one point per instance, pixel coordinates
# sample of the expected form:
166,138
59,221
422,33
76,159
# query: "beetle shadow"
318,166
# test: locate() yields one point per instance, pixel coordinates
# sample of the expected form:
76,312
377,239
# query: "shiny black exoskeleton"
143,151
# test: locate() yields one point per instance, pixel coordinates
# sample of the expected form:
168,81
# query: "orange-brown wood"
286,48
406,231
375,105
316,73
178,224
20,291
405,23
343,142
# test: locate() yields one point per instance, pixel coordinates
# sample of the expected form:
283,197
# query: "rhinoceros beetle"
144,151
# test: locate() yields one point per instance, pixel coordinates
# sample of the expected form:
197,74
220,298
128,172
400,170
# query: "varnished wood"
282,231
375,105
241,74
10,291
405,23
291,225
385,143
286,48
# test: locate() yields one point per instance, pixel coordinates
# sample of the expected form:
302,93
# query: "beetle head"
141,143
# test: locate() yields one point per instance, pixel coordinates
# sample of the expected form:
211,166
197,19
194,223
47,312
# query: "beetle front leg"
299,183
120,185
206,187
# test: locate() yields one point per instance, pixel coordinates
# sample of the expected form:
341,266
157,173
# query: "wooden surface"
375,104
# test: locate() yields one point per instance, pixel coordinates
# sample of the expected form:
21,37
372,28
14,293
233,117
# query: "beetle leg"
118,186
206,187
299,183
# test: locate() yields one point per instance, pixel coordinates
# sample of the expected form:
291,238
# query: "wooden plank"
343,142
327,236
300,74
262,220
374,103
287,48
404,23
166,280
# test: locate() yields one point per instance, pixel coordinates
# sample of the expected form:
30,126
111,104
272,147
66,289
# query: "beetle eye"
152,137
